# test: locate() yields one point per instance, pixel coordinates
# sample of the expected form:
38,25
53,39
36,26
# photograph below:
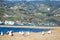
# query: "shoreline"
34,36
39,27
28,26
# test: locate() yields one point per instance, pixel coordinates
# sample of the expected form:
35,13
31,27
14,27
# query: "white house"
6,22
9,22
1,22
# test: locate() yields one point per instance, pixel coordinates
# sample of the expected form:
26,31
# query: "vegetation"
29,12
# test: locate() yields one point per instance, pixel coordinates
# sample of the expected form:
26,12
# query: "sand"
34,36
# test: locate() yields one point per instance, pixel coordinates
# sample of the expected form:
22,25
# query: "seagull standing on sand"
7,32
22,33
49,32
10,33
43,33
1,33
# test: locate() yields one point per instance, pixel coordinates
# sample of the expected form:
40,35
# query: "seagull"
43,33
10,33
1,33
22,33
49,32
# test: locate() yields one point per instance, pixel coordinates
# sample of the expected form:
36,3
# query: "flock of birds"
11,33
23,33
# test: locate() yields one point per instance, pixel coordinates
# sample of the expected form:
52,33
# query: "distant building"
1,22
9,22
48,9
6,15
57,15
14,8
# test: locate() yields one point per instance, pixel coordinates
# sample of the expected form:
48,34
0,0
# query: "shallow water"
4,30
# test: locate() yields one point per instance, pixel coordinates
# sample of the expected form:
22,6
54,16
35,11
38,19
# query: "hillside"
31,12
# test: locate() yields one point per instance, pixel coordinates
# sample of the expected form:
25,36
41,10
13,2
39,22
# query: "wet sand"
34,36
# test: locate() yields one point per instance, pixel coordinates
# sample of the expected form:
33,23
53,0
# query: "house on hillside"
9,22
57,15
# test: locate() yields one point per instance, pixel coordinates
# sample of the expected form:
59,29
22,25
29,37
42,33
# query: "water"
4,30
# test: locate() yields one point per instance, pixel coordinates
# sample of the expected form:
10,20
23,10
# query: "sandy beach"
34,36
